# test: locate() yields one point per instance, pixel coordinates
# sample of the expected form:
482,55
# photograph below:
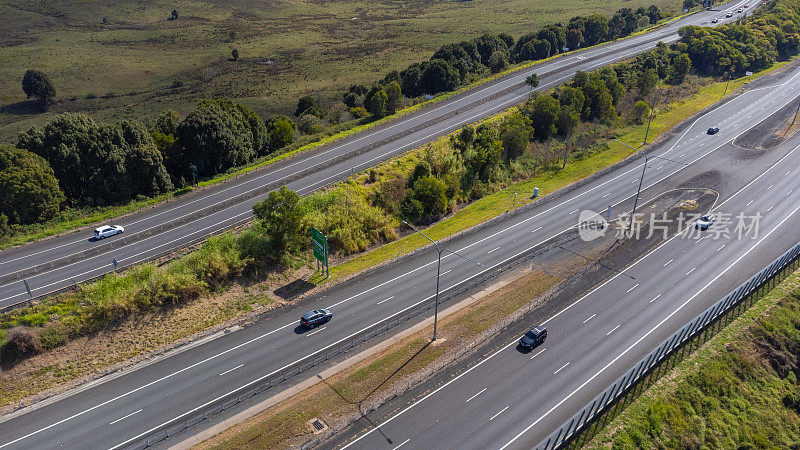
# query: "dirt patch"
770,132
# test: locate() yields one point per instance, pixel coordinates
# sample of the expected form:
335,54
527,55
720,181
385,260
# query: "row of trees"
455,64
749,45
74,161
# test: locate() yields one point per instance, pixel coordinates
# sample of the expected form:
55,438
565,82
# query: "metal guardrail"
572,426
279,376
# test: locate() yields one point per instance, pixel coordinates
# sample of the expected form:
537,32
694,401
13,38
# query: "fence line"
694,333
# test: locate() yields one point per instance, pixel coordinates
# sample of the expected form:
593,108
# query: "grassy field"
739,390
120,59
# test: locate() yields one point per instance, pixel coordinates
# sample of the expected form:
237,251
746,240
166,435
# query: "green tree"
37,85
641,110
234,54
485,155
532,80
574,38
543,112
304,104
680,68
394,97
411,81
596,29
515,134
89,159
646,80
498,62
431,194
145,173
28,187
280,130
439,76
281,220
421,170
216,137
375,102
572,98
566,122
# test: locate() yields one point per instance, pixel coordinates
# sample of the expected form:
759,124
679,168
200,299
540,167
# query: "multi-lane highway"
123,410
514,400
62,261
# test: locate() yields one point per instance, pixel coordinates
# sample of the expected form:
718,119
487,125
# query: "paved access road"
514,400
121,411
377,145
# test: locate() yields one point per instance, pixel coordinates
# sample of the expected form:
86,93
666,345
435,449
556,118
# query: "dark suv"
712,130
315,317
533,338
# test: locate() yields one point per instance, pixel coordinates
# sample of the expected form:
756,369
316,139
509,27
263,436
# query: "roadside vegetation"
739,390
149,159
552,140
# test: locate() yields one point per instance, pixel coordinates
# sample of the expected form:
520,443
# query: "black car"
712,130
315,317
533,338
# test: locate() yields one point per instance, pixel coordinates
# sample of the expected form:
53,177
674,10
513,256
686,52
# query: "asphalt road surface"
75,252
512,399
123,410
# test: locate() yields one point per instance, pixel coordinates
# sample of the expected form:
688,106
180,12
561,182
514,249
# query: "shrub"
310,124
359,112
217,260
53,335
21,342
350,223
640,112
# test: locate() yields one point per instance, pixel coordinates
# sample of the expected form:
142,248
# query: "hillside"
127,59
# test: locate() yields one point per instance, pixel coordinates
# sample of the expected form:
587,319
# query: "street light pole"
438,270
641,180
652,111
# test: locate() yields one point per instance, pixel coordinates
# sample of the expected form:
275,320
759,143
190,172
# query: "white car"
107,230
704,222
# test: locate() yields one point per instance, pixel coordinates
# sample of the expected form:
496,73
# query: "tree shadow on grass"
359,402
26,107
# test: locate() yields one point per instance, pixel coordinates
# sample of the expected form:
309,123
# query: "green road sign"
320,244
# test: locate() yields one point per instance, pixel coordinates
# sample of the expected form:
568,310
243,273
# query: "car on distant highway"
740,10
704,222
315,317
533,338
714,20
729,14
712,130
107,230
746,6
